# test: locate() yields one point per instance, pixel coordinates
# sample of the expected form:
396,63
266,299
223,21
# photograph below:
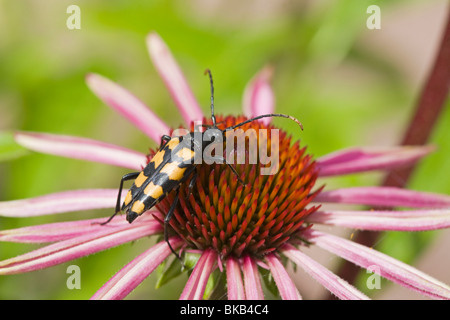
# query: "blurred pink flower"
71,240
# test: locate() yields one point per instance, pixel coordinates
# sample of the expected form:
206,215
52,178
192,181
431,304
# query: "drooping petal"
128,106
339,287
173,78
388,267
81,148
286,286
80,246
252,282
59,231
420,220
258,97
66,201
354,160
384,197
130,276
195,287
235,285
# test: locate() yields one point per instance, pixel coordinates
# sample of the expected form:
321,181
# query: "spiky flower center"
255,218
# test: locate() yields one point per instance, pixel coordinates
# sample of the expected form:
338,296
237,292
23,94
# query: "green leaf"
190,260
165,275
215,281
9,148
176,268
269,281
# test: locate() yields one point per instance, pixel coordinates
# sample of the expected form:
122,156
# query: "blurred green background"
350,86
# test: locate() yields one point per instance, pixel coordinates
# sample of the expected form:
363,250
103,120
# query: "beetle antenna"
265,116
213,117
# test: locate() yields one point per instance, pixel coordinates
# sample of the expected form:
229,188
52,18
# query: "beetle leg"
236,173
166,223
164,139
221,159
192,183
128,176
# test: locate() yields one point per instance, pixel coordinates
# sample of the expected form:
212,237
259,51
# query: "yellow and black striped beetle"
171,166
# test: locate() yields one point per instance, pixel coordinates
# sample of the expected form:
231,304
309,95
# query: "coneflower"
238,229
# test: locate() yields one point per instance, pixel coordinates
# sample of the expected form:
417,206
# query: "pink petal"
252,283
60,230
390,268
421,220
128,106
286,286
80,246
173,78
258,97
129,277
66,201
234,280
195,287
384,197
354,160
81,148
339,287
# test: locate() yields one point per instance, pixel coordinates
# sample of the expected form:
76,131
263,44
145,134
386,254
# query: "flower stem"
429,106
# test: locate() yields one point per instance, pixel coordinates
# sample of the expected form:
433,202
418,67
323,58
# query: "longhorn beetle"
173,165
